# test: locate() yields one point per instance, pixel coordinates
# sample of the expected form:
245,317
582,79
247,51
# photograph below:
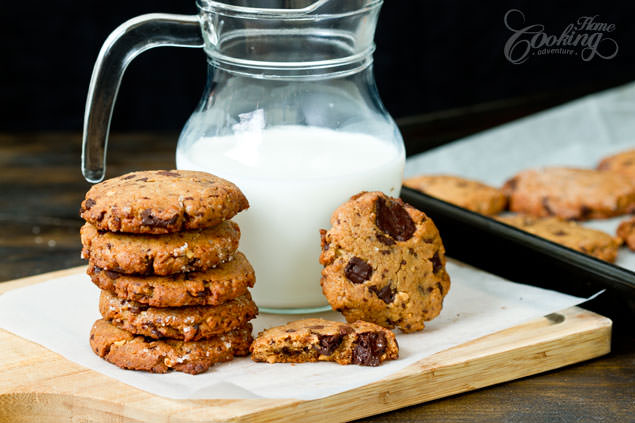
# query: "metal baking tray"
520,256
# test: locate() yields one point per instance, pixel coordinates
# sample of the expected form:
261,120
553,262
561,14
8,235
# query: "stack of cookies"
175,293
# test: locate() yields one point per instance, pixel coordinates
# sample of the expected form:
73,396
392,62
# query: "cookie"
623,163
161,201
589,241
160,255
384,262
578,194
186,323
212,287
313,340
626,232
128,351
466,193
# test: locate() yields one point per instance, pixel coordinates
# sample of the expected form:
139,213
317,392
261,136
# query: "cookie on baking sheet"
626,232
466,193
623,162
160,255
186,323
128,351
313,340
212,287
569,193
384,262
161,201
570,234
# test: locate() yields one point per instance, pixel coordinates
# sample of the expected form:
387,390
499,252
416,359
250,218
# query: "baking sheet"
59,313
577,134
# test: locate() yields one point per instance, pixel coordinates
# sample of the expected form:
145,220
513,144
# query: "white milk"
294,177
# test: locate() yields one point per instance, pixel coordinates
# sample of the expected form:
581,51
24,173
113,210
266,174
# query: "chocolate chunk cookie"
128,351
466,193
186,323
313,340
578,194
626,232
190,251
384,262
623,163
161,201
212,287
589,241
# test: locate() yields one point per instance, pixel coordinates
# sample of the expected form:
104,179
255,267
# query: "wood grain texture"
37,385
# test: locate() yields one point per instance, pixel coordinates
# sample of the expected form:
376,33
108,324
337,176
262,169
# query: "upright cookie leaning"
384,262
161,201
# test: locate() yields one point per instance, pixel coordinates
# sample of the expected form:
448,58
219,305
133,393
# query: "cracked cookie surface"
186,323
384,262
161,201
134,352
312,340
570,193
212,287
466,193
570,234
179,252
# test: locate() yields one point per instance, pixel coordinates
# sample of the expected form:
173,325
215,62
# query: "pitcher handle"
124,44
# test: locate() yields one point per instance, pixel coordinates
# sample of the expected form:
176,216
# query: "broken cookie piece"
312,340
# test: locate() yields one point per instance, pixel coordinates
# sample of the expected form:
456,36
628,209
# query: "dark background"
432,57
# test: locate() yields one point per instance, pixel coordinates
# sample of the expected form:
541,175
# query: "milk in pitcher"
294,178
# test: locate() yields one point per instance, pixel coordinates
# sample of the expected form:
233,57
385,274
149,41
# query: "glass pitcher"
290,113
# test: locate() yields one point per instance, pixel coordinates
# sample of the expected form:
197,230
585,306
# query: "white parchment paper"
578,134
58,314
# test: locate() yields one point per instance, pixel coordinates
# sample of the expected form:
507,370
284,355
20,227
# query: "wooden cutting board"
37,385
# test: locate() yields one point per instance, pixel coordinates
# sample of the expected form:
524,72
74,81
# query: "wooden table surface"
41,187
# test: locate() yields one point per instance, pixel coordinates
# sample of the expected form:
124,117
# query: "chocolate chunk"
547,206
167,173
345,330
111,274
440,287
144,179
436,262
316,327
138,308
148,219
393,219
132,175
385,240
357,270
368,348
204,293
89,203
290,330
559,233
327,344
324,243
386,294
585,212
